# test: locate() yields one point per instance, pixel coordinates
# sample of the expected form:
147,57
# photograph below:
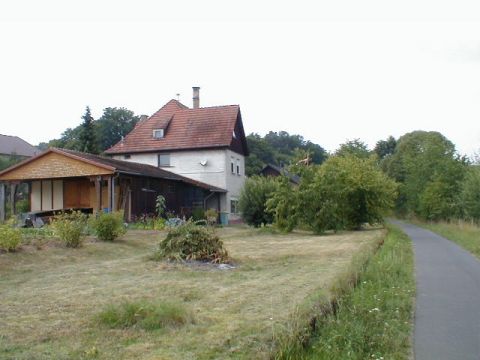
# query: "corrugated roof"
14,145
185,128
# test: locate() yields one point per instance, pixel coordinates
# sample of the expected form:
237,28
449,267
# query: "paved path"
447,318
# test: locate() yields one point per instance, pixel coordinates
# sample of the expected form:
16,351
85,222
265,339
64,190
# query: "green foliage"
284,205
253,200
87,138
470,194
108,226
192,242
70,228
160,205
198,214
9,160
10,237
113,124
22,206
372,320
211,215
344,193
278,149
354,147
385,148
144,315
430,173
108,130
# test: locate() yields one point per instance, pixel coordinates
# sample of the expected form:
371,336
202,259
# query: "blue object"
224,218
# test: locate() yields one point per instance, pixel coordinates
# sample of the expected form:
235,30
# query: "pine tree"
87,138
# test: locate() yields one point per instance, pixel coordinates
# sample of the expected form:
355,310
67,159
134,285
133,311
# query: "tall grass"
465,234
144,315
372,320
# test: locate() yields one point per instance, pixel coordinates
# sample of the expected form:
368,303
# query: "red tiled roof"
185,128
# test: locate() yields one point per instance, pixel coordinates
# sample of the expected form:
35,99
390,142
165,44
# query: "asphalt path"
447,317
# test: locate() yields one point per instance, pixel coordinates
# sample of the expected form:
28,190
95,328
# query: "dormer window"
158,133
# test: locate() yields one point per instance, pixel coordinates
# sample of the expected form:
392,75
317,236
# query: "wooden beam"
110,195
2,202
98,190
13,190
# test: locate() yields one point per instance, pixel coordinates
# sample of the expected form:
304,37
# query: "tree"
253,200
87,138
470,194
430,173
354,147
385,148
351,191
279,148
113,125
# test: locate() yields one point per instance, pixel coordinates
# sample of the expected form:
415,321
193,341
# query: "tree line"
418,175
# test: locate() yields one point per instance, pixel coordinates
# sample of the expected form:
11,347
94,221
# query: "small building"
273,170
65,179
203,144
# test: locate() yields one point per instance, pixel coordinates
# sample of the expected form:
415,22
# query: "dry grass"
49,298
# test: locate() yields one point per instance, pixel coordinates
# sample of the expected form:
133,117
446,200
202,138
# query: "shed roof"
14,145
114,166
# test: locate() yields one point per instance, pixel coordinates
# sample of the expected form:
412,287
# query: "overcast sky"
329,71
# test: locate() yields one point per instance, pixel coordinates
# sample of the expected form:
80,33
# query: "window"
158,133
232,166
238,166
234,206
163,160
126,156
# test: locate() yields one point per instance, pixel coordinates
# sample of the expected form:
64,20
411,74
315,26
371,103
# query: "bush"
198,214
192,242
70,228
144,315
211,216
108,226
10,237
253,200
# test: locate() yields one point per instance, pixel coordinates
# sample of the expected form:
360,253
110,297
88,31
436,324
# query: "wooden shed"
61,179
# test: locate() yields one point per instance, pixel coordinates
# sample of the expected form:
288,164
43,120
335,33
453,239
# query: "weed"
144,315
70,228
10,237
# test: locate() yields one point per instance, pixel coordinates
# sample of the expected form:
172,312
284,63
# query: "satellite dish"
203,162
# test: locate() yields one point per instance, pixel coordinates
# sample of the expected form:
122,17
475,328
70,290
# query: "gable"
238,143
52,165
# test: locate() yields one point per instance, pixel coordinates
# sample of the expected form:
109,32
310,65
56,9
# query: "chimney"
196,97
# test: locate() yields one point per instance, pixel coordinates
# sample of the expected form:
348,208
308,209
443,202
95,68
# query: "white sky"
329,71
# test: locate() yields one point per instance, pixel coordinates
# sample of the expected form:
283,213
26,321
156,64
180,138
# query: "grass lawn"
465,234
374,319
50,298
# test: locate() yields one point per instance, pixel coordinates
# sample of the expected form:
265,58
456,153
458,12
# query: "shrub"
10,237
192,242
144,315
160,205
108,226
70,228
22,206
253,200
198,214
211,216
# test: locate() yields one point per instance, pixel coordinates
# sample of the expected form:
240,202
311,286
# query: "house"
203,144
66,179
13,145
273,170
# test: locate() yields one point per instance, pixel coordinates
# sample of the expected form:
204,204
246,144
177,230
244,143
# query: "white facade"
222,168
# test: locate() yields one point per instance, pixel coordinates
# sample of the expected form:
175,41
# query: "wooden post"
109,192
13,190
98,188
2,202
